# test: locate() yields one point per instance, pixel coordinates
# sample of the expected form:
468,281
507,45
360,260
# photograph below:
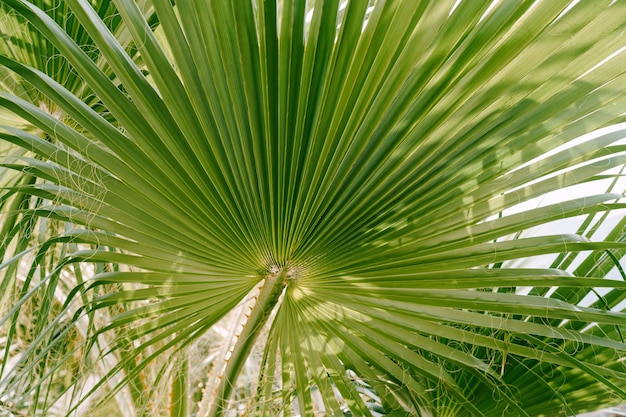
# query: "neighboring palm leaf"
22,42
345,173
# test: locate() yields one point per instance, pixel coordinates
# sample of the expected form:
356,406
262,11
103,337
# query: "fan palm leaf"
348,176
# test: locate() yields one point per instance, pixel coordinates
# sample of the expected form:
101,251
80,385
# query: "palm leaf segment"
21,42
353,164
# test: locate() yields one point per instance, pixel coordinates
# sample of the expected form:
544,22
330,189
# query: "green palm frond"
356,180
21,42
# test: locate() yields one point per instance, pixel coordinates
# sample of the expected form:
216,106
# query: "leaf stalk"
256,318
